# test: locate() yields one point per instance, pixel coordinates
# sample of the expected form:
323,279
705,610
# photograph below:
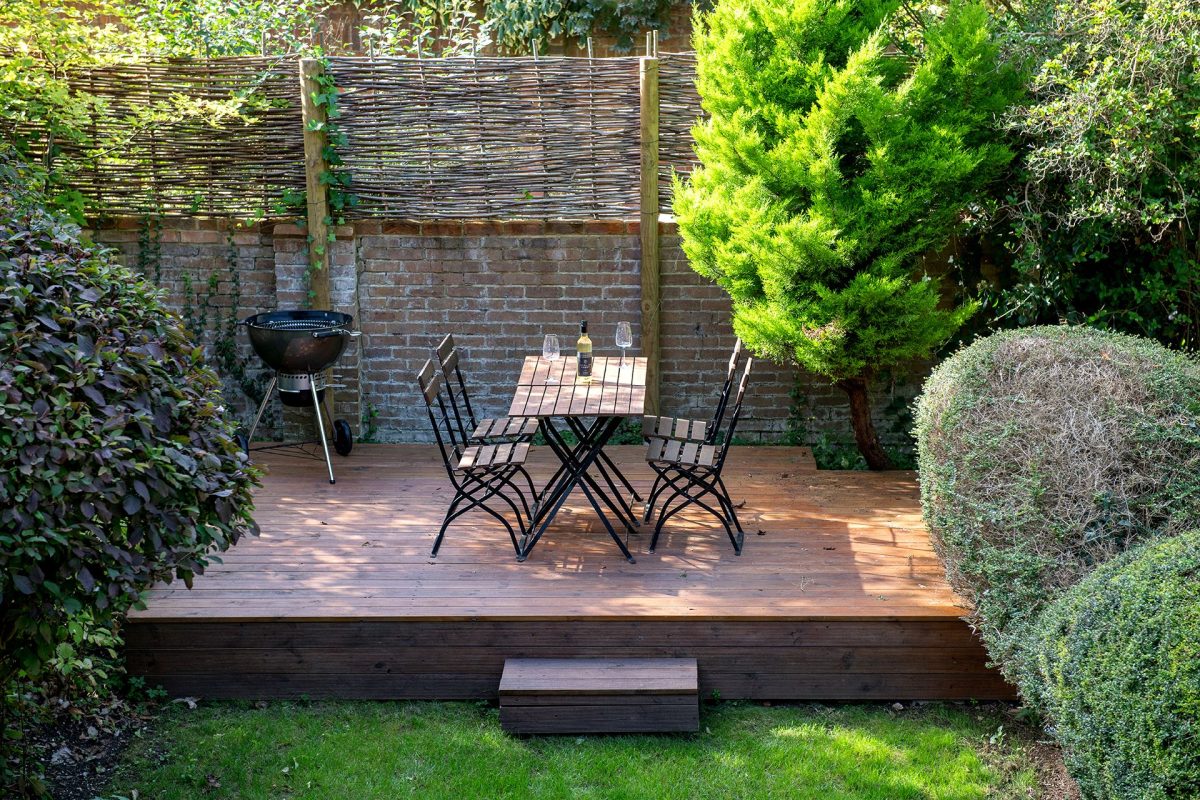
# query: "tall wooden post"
649,226
314,118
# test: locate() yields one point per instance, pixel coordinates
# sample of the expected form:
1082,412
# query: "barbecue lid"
299,319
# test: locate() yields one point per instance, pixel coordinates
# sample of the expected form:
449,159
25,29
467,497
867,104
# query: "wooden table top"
614,391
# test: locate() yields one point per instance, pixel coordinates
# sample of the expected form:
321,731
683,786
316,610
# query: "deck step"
599,695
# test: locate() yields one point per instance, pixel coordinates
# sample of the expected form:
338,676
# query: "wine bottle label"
585,365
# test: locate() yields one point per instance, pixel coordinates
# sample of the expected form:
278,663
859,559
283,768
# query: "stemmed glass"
550,352
624,338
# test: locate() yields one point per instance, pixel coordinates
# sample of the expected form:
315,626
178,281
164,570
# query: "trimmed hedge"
1118,657
119,465
1043,452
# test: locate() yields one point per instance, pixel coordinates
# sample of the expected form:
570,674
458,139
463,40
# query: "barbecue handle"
325,334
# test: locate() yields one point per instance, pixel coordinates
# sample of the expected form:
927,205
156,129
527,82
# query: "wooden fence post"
313,116
649,224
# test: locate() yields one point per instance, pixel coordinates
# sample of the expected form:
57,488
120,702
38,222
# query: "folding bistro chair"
689,430
692,471
487,431
479,472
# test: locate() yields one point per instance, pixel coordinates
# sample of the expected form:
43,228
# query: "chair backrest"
448,356
723,400
738,399
446,428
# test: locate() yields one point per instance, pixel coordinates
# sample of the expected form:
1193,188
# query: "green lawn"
457,751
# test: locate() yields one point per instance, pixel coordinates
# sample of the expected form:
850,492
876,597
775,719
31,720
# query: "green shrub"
1042,453
119,467
1100,213
1118,660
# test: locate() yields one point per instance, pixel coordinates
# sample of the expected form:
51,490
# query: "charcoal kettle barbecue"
299,345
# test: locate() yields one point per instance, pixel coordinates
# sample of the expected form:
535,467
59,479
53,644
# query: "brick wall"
499,287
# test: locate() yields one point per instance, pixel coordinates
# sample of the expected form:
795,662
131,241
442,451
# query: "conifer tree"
835,154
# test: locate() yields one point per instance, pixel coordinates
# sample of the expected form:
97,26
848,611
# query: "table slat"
613,391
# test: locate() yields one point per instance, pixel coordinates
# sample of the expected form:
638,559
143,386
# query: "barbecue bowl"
299,341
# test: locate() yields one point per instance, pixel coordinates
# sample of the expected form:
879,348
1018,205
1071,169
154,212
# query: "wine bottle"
584,350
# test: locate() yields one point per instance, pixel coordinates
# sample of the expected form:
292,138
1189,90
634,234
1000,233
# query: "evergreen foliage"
834,159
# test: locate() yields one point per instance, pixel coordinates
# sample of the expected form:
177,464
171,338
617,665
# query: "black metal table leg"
603,460
575,473
585,433
593,442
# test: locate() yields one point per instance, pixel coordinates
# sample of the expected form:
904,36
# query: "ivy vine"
206,319
231,364
149,252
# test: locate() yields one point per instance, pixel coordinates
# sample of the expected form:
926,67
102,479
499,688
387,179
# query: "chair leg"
512,534
729,504
695,482
528,480
505,479
652,498
437,543
737,541
663,517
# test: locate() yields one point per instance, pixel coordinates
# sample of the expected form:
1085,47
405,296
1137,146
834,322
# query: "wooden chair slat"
445,347
469,457
431,382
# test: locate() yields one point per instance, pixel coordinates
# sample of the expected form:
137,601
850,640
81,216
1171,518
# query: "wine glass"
624,338
550,352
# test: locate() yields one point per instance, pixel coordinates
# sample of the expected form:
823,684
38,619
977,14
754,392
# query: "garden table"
591,412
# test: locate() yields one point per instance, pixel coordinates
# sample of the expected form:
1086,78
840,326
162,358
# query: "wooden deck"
838,594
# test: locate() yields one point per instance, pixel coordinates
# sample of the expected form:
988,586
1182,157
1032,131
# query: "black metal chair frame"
446,355
692,482
443,354
710,435
473,486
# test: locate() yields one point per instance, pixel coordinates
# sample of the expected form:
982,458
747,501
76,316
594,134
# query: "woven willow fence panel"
678,111
491,137
188,166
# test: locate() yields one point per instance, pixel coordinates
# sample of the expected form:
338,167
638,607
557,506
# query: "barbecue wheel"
343,438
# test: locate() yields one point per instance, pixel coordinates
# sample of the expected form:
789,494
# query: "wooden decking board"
522,634
316,660
599,695
619,718
598,676
758,685
841,598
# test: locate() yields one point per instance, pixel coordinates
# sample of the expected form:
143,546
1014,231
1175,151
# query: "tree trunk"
864,427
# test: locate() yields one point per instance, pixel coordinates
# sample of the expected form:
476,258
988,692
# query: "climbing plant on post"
833,159
326,182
